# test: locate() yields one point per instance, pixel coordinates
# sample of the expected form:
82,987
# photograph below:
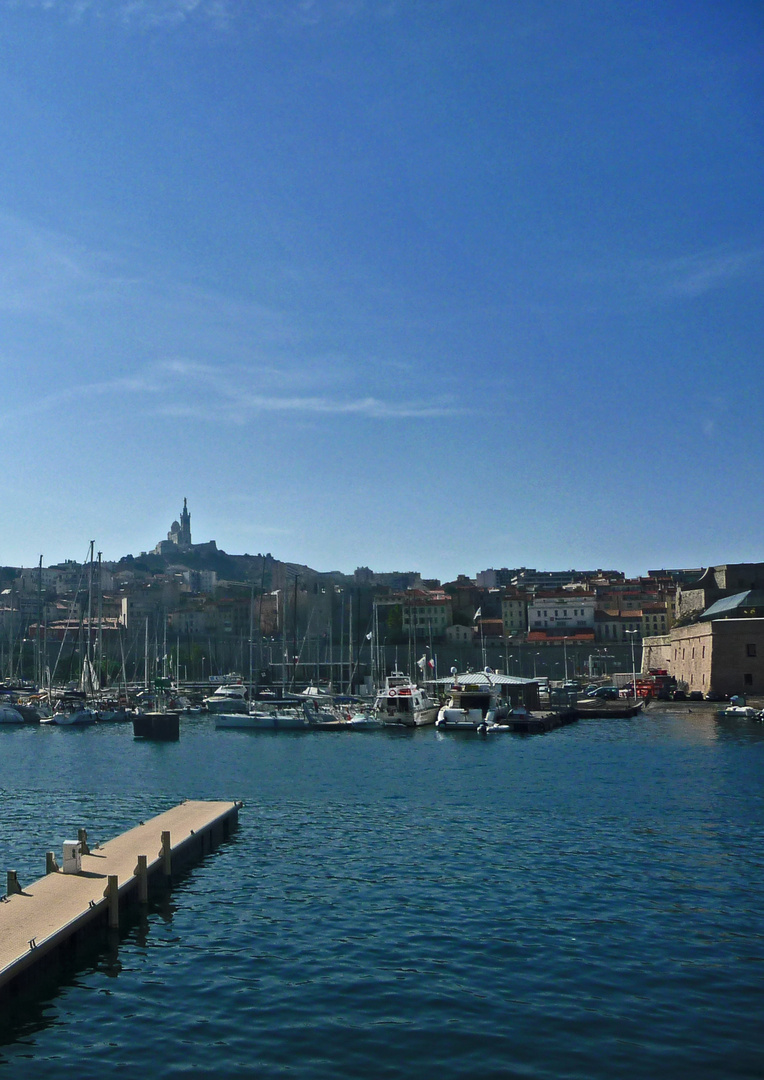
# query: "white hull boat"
262,721
77,718
472,707
403,702
364,722
228,699
741,712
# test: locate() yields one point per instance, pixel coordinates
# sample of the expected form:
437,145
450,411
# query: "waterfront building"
656,619
190,622
514,613
32,578
199,581
494,579
724,655
554,580
421,610
714,584
561,613
614,626
399,580
490,630
744,605
426,612
138,606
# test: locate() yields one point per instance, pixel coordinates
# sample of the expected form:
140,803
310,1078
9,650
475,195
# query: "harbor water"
581,904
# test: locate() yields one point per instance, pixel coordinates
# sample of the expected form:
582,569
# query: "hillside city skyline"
179,543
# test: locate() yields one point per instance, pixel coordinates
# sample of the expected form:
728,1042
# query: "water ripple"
582,905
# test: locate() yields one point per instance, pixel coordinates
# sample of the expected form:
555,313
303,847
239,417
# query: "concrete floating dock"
539,723
157,725
38,920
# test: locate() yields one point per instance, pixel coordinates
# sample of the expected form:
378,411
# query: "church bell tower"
185,526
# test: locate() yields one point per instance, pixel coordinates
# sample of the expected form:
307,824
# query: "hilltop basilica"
179,537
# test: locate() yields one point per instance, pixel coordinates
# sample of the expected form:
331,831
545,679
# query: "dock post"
13,884
142,873
166,854
112,895
51,866
82,836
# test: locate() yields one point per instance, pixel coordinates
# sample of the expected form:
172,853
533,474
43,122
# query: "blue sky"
422,285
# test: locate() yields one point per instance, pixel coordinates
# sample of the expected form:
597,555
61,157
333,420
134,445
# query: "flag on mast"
476,616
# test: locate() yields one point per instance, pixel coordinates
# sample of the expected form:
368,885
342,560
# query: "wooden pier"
40,920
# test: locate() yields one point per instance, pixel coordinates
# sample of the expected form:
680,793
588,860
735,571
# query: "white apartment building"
558,613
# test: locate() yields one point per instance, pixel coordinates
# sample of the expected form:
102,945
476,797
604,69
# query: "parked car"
695,695
609,693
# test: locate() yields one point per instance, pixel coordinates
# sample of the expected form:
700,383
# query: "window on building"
750,650
748,680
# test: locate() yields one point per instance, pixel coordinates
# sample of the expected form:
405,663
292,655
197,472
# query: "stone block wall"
726,655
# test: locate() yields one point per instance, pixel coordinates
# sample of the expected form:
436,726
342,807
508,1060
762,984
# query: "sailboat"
72,708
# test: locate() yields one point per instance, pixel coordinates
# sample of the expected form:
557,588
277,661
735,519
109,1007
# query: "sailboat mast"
294,636
38,659
99,643
350,643
251,632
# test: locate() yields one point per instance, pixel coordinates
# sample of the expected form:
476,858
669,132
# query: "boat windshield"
473,701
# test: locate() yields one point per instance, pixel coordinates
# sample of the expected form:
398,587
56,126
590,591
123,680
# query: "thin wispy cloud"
213,394
634,282
222,14
38,266
187,390
140,12
695,275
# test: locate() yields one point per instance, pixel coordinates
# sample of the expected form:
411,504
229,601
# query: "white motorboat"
741,712
401,701
473,705
229,698
364,722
